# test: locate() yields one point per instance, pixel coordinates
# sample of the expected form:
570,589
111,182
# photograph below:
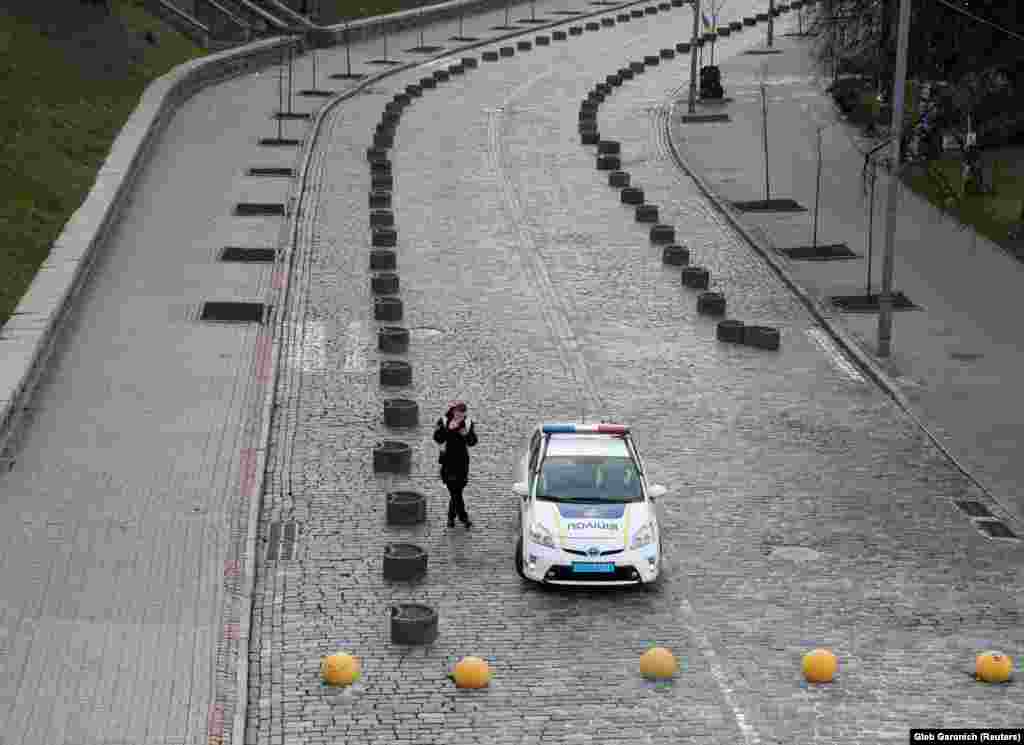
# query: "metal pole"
764,119
506,13
462,15
313,50
348,51
533,10
871,228
693,56
885,298
714,29
421,29
291,57
817,193
771,21
280,97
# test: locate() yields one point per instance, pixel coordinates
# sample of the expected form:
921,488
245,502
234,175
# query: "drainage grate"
869,303
278,141
974,509
425,49
316,93
769,205
234,312
238,253
250,209
293,115
829,252
995,529
281,542
271,172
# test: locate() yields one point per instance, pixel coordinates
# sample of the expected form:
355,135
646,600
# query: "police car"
587,513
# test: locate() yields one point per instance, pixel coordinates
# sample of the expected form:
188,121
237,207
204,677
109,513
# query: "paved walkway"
958,359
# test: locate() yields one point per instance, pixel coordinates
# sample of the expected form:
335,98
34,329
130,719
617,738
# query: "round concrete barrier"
730,331
383,139
709,36
636,13
385,129
413,624
575,30
382,260
441,75
632,195
761,16
382,218
394,107
592,26
636,67
646,213
724,31
524,46
391,116
393,339
385,283
607,21
651,10
711,303
469,62
749,21
403,98
401,412
626,73
663,233
762,337
588,114
651,60
604,88
558,35
609,147
490,56
456,69
543,41
380,199
618,179
736,25
588,105
384,237
382,182
404,561
588,125
392,457
776,13
387,309
595,97
405,508
667,53
677,3
590,137
614,79
395,373
507,51
622,17
675,255
683,47
428,83
608,162
414,90
696,277
374,154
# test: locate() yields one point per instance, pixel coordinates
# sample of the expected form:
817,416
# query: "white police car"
588,516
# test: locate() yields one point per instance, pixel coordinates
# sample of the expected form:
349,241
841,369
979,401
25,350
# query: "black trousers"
456,507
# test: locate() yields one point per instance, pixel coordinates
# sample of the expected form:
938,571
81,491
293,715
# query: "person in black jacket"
456,435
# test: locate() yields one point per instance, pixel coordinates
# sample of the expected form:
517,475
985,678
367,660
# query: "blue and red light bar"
586,429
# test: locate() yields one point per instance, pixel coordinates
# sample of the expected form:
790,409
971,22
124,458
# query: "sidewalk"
957,358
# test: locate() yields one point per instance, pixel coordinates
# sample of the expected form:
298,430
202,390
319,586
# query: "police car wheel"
519,558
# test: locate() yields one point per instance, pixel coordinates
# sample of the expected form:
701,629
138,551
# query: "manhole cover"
239,253
425,332
233,312
271,172
769,205
827,252
870,303
795,553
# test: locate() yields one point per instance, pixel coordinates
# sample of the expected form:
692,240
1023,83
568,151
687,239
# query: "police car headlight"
642,537
541,535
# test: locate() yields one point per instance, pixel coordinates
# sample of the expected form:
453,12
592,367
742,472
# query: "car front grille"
566,574
574,552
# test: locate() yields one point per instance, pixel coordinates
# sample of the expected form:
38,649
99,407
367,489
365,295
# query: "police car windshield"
597,479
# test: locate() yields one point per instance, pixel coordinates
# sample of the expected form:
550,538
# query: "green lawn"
57,123
992,215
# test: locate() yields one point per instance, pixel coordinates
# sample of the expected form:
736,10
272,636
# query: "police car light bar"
589,429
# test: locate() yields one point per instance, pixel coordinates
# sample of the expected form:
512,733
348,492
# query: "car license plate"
586,567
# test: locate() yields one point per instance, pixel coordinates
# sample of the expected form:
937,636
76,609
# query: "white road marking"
310,355
438,62
826,344
355,355
750,736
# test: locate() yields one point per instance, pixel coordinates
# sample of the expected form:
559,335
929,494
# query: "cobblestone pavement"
804,509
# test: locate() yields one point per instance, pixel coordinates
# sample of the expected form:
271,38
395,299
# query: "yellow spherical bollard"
471,672
819,666
993,667
658,662
339,669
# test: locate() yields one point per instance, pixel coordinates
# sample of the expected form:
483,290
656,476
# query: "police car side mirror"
521,489
656,491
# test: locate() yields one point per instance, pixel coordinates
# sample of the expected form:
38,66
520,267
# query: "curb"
866,362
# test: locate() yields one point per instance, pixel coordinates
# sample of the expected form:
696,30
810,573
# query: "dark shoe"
451,523
468,524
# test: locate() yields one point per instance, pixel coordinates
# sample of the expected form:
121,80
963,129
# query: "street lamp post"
771,21
817,191
693,57
899,85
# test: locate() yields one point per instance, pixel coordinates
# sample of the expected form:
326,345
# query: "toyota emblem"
593,551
